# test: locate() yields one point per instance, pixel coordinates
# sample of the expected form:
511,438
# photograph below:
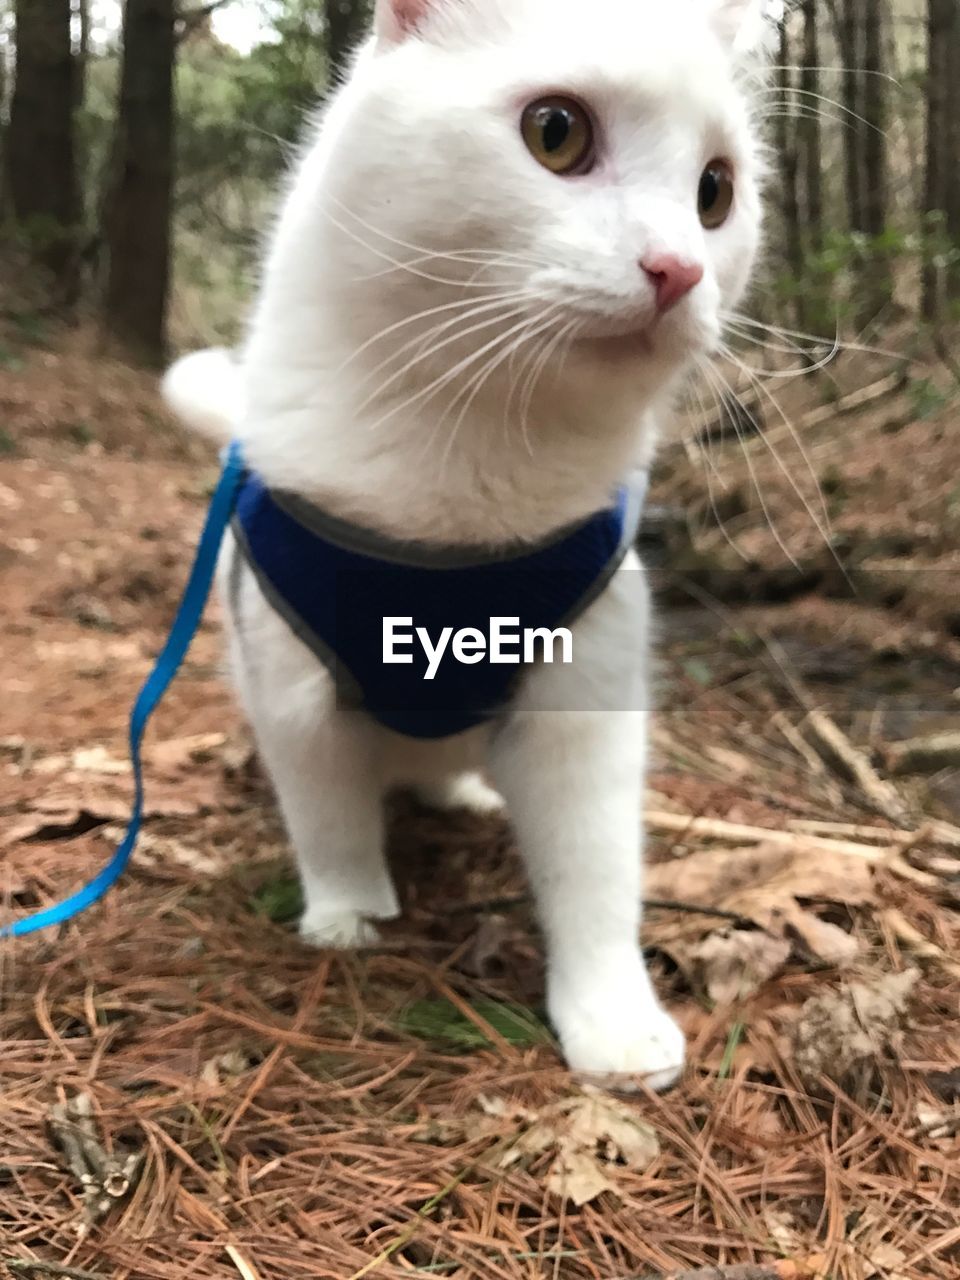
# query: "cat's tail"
204,390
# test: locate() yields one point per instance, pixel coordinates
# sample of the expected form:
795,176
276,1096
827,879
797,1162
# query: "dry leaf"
98,760
885,1262
179,753
826,941
589,1134
152,850
735,963
837,1031
765,884
60,817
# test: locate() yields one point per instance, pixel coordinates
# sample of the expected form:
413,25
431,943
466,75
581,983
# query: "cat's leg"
460,791
323,762
573,779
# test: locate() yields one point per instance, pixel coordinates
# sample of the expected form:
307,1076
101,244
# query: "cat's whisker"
533,380
466,310
430,348
482,259
786,346
536,327
714,375
780,374
799,112
839,70
423,250
792,431
458,304
425,394
777,331
819,97
822,525
704,448
395,262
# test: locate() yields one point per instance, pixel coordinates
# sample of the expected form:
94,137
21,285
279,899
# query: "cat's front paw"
619,1047
340,930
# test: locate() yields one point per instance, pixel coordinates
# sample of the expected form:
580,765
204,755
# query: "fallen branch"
748,1272
924,755
850,403
509,901
33,1266
837,747
105,1179
887,856
914,940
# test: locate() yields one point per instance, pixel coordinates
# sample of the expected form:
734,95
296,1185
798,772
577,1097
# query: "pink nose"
671,278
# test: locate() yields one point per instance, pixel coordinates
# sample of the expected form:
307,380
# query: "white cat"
517,224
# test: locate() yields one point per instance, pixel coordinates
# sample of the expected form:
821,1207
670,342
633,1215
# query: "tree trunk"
140,185
874,103
951,145
848,26
345,20
877,279
811,127
942,187
789,171
41,164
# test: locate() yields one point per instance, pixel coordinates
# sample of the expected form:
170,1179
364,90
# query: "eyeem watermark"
505,644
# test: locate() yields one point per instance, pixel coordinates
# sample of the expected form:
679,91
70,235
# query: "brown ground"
405,1111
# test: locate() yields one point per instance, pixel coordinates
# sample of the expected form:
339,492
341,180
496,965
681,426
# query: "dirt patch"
282,1113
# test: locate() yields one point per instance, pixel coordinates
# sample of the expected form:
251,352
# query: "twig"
924,755
28,1266
105,1179
858,399
888,857
747,1272
838,748
240,1262
651,904
912,938
694,909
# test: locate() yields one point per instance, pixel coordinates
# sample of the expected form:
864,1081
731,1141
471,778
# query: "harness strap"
171,656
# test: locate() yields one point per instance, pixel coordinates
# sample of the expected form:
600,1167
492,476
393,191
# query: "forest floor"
245,1107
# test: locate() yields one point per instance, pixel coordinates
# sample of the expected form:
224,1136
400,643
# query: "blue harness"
334,584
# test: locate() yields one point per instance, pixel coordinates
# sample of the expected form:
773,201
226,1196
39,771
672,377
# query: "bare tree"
40,156
942,187
847,25
874,95
137,210
810,126
789,173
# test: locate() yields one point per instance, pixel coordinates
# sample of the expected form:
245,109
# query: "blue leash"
155,686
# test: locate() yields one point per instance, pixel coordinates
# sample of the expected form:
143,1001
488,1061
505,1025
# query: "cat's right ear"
748,27
393,20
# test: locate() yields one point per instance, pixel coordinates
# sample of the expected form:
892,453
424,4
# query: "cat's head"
590,166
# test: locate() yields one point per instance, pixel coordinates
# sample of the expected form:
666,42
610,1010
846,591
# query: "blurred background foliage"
145,199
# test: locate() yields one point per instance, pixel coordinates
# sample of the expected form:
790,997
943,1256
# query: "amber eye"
559,135
716,194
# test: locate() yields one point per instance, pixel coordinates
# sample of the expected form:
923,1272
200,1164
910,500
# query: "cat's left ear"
749,27
395,19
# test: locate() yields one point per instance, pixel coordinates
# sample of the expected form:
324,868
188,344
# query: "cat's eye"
715,199
559,135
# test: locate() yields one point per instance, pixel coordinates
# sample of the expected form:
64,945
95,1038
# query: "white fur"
419,241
